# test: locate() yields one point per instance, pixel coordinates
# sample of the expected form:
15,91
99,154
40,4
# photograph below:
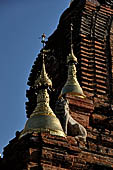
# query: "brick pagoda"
93,46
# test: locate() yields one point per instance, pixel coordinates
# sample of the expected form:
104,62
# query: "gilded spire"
43,79
43,118
42,83
72,85
71,56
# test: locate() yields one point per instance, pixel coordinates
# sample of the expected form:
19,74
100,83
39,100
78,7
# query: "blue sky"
21,24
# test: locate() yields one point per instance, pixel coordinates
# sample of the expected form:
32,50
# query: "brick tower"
93,46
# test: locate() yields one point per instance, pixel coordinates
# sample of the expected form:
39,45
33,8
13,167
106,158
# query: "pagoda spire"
41,85
72,85
43,118
43,79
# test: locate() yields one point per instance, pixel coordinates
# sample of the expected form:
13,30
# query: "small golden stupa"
43,119
72,85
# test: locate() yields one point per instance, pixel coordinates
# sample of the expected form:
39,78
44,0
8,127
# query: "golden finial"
43,118
43,79
72,85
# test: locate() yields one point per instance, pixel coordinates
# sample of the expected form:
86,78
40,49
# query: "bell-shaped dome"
43,123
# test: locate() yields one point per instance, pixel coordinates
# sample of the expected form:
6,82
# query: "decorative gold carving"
43,78
43,104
